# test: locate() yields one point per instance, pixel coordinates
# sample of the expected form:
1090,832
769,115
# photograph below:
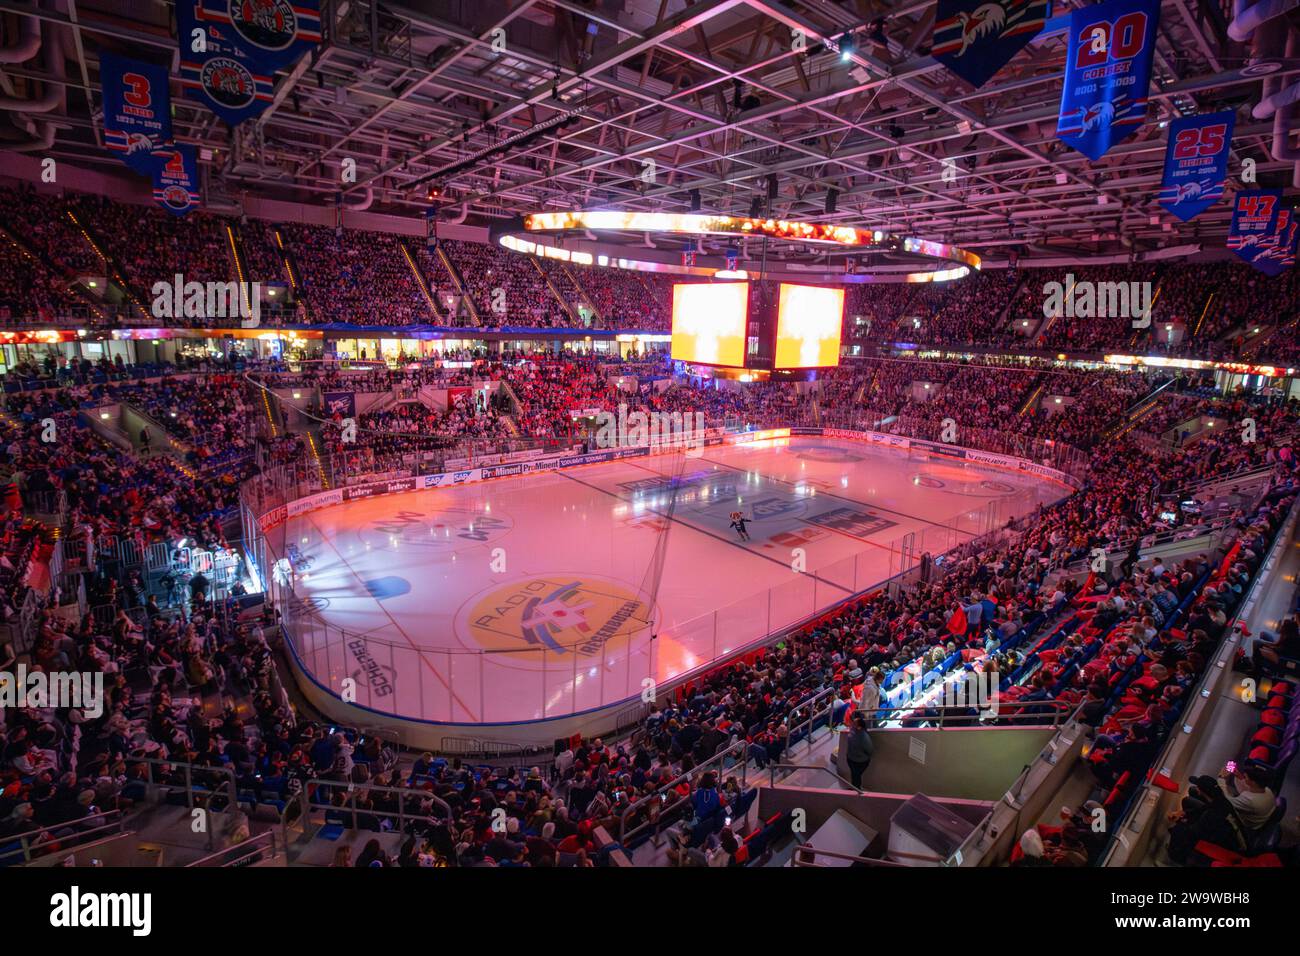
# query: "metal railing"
61,837
1010,713
1205,538
313,790
1194,488
213,781
733,756
806,854
255,849
790,769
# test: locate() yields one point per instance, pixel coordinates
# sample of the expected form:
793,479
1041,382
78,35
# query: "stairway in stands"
1001,322
29,254
234,246
1147,329
1138,413
420,280
571,274
555,292
291,270
1035,393
457,281
313,446
1205,313
112,268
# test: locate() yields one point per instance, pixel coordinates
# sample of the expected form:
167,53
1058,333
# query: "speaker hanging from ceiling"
831,196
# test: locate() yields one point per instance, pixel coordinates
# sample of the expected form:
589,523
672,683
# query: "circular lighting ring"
518,237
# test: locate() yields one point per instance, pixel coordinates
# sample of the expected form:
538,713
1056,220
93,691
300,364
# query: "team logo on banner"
274,32
175,182
975,38
137,110
1263,232
1107,74
1196,161
217,69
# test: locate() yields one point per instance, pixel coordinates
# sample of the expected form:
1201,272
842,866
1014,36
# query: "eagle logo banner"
976,38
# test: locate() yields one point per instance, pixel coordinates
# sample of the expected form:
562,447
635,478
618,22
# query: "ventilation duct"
29,41
1276,100
1247,16
39,134
1282,104
364,204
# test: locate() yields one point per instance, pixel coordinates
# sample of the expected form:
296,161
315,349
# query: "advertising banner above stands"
340,403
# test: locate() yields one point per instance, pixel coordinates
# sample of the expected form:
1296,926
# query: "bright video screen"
709,322
808,326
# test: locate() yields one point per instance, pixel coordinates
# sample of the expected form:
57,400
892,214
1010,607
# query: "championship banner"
975,38
176,179
1107,74
137,110
1196,160
1264,231
216,69
340,403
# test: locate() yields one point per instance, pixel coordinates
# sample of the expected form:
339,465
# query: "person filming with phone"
1225,811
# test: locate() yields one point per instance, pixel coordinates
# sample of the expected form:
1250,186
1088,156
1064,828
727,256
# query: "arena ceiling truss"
493,108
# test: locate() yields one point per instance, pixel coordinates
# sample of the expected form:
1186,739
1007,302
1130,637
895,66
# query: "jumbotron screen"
808,326
709,322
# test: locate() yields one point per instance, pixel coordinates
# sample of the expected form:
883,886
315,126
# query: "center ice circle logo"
555,617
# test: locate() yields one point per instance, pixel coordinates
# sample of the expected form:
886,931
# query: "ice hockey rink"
559,592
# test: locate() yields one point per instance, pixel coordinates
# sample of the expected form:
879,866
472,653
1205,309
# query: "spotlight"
846,48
